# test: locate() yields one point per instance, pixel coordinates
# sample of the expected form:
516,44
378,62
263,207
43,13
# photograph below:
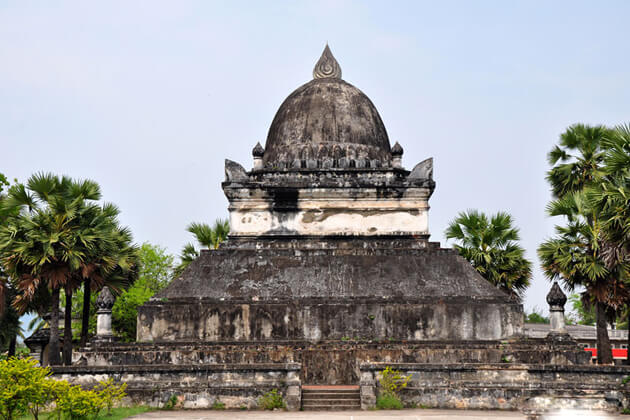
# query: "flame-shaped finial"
327,66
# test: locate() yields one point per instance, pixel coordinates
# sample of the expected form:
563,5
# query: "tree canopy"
490,244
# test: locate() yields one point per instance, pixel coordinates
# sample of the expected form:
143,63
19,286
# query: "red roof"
617,353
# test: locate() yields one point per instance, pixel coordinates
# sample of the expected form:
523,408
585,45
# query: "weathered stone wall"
504,386
320,319
194,386
332,362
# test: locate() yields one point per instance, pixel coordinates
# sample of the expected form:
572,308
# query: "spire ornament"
327,66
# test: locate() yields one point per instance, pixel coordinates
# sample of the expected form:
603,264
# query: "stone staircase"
331,397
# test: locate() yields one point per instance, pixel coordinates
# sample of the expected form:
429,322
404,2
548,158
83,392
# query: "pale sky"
148,98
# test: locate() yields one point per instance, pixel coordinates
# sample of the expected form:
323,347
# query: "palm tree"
577,159
42,245
610,199
210,237
573,256
577,165
491,246
10,327
207,237
111,262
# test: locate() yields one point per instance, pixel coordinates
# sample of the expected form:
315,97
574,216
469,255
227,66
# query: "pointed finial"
397,150
327,66
556,297
258,150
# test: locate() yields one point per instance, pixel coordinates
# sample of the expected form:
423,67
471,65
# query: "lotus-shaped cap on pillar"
105,300
556,296
258,150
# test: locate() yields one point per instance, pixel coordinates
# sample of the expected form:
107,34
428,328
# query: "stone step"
331,397
330,391
324,407
336,401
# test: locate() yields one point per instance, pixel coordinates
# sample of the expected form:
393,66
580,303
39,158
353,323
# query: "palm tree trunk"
604,350
12,345
85,321
67,330
53,343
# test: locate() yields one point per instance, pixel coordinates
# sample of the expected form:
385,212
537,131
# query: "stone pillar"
293,397
397,152
104,303
556,300
368,389
258,154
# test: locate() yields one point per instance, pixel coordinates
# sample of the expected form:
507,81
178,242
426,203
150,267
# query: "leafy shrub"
110,393
388,402
23,387
218,405
270,400
392,381
171,403
75,403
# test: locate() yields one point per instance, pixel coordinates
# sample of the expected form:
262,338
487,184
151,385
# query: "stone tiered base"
334,362
532,388
510,374
195,386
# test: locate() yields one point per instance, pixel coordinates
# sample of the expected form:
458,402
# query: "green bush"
171,403
110,393
218,405
75,403
26,387
23,387
388,402
270,400
392,381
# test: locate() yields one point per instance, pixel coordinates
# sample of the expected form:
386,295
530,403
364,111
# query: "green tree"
610,199
155,271
113,262
491,246
44,244
574,255
208,237
583,310
9,318
536,317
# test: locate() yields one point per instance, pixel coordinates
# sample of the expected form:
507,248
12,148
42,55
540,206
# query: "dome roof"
327,119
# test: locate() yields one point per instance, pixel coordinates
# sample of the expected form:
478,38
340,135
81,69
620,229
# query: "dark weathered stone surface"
105,300
329,289
326,118
501,386
354,268
194,386
556,297
333,362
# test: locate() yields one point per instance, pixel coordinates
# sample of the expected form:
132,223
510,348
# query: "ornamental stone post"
556,300
397,152
104,303
258,152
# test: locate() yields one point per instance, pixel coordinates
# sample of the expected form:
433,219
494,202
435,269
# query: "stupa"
329,241
328,277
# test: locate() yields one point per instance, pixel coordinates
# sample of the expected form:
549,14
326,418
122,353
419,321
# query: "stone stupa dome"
325,120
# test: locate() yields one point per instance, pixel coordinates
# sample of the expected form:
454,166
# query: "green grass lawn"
116,414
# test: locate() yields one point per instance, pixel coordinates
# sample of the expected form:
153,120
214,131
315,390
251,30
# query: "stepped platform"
331,397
